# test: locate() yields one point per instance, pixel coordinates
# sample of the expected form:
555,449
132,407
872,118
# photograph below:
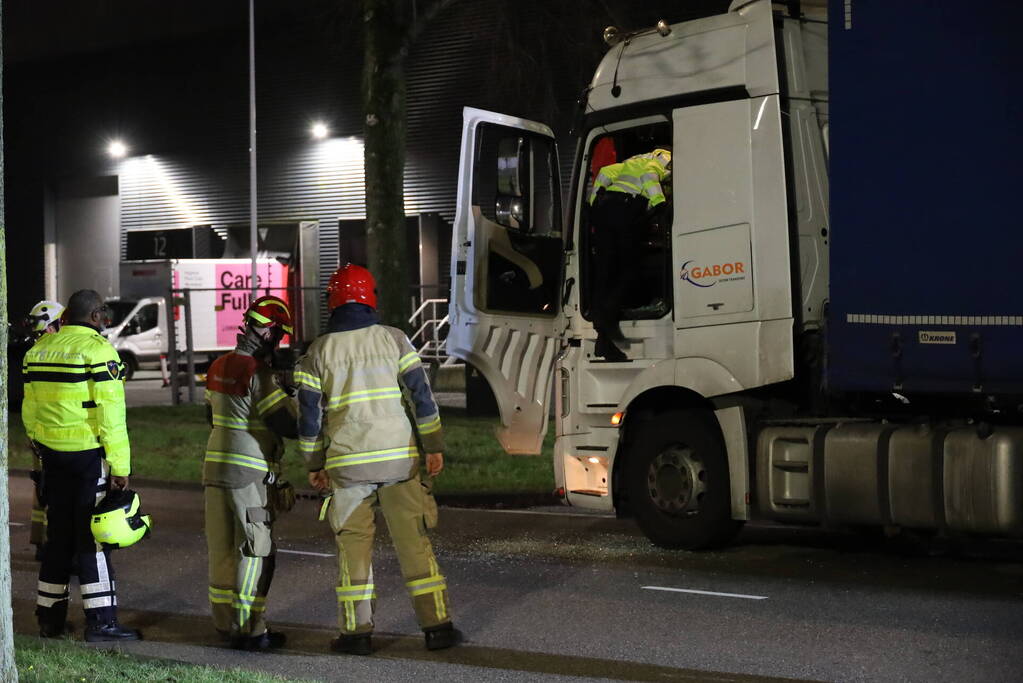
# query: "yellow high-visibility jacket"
74,395
639,175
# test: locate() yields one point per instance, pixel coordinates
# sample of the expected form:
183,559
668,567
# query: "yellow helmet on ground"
116,521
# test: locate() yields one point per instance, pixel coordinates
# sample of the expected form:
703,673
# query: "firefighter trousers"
407,508
73,483
242,557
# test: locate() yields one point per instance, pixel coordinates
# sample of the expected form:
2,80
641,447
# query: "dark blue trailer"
926,291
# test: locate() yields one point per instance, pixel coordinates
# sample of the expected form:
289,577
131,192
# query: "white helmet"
44,314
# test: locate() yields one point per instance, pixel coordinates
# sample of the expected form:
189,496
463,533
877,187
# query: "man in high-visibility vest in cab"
74,414
365,405
250,415
623,196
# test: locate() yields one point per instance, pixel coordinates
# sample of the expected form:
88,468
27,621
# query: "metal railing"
429,323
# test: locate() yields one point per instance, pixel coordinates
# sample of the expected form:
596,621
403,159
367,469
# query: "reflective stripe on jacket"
74,395
242,394
366,383
638,175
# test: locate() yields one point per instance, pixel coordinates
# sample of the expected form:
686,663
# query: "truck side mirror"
511,206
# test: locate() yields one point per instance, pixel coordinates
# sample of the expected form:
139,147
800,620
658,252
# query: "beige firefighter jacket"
361,391
242,448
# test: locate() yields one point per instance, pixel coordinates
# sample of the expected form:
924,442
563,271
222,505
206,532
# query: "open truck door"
506,268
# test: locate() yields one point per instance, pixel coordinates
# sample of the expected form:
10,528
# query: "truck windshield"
118,311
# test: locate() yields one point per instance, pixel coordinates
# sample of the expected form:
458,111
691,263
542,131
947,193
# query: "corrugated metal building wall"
302,178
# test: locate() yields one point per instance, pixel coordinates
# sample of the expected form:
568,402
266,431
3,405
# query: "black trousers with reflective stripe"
73,483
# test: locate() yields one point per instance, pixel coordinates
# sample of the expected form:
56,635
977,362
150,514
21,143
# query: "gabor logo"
708,276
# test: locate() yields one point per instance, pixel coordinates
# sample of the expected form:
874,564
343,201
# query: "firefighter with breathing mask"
365,407
249,414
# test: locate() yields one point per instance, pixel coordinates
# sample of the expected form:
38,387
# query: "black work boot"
268,640
606,349
53,621
53,630
352,644
110,631
443,636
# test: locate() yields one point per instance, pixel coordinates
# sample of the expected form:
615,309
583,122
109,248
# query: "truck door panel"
506,268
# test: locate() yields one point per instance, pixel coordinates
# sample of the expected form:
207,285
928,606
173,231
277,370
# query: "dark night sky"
47,29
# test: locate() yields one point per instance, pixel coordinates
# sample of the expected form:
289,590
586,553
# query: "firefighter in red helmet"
366,412
250,415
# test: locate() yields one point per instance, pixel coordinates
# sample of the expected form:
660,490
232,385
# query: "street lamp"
319,130
117,149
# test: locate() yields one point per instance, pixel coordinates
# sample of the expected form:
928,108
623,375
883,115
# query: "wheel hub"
676,481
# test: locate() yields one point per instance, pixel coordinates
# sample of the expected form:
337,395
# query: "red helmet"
270,311
351,284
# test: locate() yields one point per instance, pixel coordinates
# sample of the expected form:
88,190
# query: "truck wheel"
676,477
130,365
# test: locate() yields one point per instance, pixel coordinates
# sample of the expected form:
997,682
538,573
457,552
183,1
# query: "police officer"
364,402
44,318
623,196
249,414
75,416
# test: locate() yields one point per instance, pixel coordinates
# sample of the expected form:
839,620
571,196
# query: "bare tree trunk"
383,104
8,668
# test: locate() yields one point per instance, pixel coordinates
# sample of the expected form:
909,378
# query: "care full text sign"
234,283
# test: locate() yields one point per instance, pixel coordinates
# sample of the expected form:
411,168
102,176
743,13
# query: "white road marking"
304,552
589,515
691,590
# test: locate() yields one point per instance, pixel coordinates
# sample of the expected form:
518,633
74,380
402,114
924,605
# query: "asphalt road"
560,596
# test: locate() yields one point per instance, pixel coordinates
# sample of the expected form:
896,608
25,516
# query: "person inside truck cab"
625,196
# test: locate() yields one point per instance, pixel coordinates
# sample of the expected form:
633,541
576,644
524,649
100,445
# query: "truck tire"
130,365
676,478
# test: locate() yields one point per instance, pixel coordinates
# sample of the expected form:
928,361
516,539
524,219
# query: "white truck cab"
711,313
138,331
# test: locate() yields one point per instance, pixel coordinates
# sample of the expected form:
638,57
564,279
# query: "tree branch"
417,27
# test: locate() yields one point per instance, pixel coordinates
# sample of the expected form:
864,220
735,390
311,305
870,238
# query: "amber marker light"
616,419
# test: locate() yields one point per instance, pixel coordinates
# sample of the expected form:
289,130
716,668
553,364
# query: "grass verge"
62,661
167,443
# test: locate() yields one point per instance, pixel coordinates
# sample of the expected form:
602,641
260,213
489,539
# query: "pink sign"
233,297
